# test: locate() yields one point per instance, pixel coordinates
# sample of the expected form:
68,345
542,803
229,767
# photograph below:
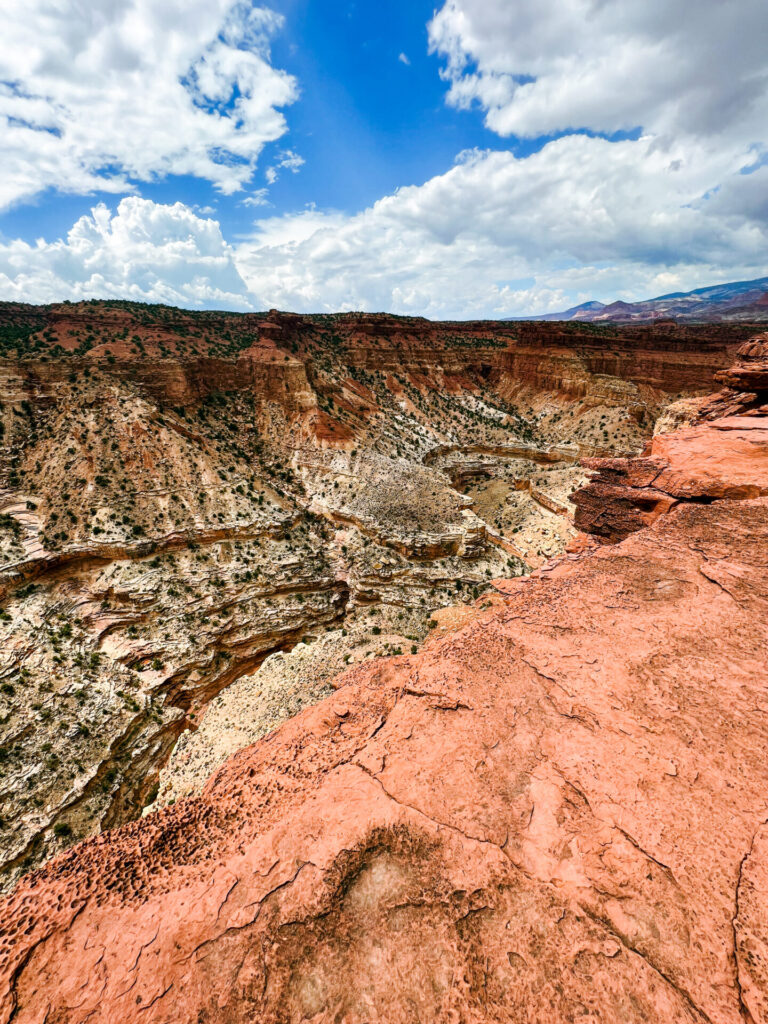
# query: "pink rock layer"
557,813
723,456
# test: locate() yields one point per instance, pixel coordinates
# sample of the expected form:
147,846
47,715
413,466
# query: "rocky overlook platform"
189,497
556,812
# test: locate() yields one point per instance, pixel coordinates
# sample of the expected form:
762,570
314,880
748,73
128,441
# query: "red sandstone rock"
557,813
181,357
724,456
548,356
751,372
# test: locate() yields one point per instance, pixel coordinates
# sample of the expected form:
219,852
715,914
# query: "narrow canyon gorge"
366,668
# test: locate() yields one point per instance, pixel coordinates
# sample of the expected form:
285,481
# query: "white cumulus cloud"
94,95
143,251
496,235
287,160
608,65
499,235
678,204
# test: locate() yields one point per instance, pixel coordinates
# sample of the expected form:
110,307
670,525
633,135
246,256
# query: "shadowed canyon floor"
555,810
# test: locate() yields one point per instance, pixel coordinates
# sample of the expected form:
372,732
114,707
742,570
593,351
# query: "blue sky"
366,123
478,158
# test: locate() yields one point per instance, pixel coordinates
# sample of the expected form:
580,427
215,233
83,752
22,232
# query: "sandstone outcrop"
725,455
556,812
750,373
722,458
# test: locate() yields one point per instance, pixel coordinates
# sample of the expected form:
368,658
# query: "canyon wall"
554,812
174,354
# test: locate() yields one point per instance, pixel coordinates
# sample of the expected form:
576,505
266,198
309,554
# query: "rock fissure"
743,1008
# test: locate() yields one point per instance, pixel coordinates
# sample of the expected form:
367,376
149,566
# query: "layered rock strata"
184,495
725,455
555,812
150,557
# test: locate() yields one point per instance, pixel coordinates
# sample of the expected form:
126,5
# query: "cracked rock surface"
555,812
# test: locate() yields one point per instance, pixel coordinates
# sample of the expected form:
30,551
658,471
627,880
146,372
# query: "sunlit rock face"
723,455
183,496
553,810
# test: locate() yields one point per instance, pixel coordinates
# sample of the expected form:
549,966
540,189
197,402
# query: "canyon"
362,668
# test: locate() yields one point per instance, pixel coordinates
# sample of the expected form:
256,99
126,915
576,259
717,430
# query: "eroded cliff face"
723,455
555,811
150,556
187,497
182,356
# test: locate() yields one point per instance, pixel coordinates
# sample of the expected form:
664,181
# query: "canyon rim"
383,512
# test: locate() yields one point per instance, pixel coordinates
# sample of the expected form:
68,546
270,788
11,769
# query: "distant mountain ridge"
738,300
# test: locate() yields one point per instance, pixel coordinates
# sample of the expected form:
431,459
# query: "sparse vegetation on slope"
183,496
